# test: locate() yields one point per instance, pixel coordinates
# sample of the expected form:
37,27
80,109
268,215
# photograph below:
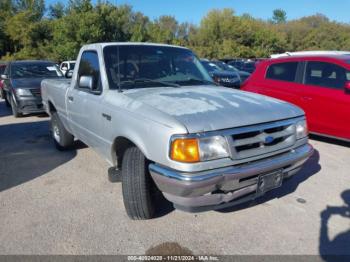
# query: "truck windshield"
141,66
35,70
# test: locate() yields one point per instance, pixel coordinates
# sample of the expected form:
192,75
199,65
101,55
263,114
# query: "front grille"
36,92
228,80
262,139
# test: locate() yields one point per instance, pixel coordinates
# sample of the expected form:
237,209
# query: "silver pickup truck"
153,112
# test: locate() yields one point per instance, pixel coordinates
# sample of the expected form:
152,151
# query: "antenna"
118,63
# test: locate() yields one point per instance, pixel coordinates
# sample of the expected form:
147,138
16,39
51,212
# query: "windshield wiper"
147,80
196,80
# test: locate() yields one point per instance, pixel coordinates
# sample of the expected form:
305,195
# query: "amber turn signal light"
185,150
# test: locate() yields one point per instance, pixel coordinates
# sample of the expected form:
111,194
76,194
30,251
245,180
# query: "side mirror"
69,74
4,77
86,82
347,87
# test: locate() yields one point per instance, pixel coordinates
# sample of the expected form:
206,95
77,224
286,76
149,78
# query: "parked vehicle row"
154,113
224,74
243,75
247,66
243,64
222,77
21,85
317,82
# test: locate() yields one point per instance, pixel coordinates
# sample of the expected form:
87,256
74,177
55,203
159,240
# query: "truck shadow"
338,248
310,168
27,152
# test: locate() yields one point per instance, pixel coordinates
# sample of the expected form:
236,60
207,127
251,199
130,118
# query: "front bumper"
219,188
30,105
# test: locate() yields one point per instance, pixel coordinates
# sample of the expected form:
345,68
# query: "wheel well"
120,145
51,107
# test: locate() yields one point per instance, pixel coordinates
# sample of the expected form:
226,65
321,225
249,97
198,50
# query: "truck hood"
209,108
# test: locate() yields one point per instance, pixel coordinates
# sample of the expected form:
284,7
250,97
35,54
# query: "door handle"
70,98
108,117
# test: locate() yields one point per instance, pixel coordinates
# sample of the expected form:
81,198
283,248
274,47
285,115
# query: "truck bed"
54,91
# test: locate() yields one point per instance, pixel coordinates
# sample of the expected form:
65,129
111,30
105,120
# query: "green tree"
279,16
6,11
163,30
56,10
26,33
34,8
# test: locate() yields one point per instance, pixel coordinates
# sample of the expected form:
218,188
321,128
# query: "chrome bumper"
219,186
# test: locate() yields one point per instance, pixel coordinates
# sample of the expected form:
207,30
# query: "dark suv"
21,85
222,77
242,74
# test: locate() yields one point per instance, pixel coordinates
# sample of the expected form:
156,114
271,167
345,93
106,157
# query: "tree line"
29,30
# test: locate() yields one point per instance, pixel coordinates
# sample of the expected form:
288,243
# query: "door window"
282,71
325,75
89,66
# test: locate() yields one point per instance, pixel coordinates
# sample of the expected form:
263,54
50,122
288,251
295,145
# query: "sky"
193,10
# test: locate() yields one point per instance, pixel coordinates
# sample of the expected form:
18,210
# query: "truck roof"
130,43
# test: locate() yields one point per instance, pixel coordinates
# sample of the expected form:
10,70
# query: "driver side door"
85,105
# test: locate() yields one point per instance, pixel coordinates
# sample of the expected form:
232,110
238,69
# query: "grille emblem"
269,139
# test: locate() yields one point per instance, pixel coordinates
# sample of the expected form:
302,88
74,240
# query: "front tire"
15,111
6,98
62,138
139,190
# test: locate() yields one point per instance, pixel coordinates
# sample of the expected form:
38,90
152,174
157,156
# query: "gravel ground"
62,203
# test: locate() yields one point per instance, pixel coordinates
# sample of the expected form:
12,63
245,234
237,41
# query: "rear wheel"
139,190
62,138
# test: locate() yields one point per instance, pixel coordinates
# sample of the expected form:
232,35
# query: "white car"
67,66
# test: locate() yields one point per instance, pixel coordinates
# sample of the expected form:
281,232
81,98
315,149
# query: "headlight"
23,92
301,129
192,150
213,148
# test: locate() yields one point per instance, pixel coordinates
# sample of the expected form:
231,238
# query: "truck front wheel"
62,138
139,190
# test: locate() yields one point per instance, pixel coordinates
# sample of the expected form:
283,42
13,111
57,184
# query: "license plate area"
269,181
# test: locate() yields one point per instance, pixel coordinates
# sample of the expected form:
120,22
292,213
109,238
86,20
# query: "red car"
319,84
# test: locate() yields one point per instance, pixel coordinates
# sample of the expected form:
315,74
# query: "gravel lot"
62,203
